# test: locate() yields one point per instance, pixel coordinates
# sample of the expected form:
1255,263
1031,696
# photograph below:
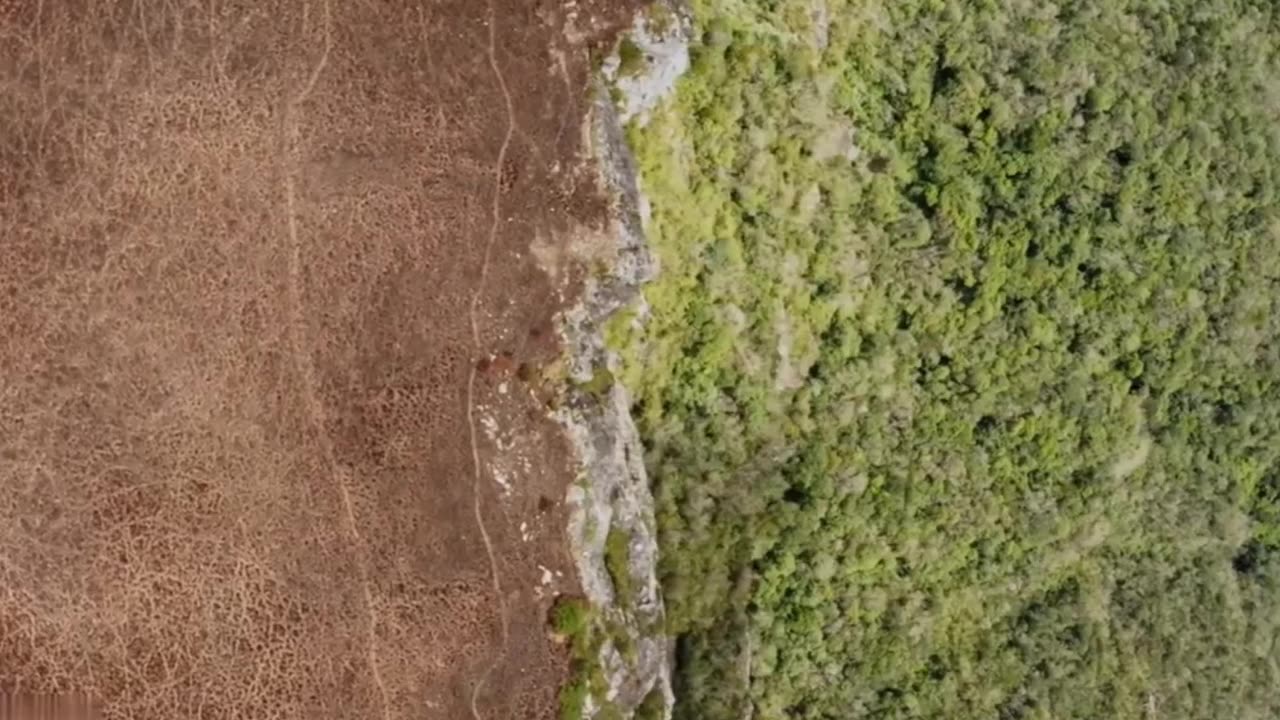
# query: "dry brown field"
269,314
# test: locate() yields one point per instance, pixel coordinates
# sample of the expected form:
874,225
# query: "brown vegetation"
252,255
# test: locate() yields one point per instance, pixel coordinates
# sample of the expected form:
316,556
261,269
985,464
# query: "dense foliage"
961,387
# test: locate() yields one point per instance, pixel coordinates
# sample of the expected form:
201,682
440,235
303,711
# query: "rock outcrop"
651,57
612,527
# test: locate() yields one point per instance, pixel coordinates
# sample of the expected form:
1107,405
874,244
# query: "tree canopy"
961,385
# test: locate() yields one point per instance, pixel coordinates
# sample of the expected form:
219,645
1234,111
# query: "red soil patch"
267,312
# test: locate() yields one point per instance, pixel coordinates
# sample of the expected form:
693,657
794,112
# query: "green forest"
960,385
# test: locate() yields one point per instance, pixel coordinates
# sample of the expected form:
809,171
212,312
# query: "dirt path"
268,310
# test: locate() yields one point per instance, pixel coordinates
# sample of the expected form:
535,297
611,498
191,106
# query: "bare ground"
269,444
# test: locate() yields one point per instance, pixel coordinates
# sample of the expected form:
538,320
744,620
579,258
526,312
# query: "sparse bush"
631,58
600,384
651,707
571,617
573,698
617,560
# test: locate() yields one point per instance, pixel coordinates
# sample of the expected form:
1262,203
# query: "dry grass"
243,248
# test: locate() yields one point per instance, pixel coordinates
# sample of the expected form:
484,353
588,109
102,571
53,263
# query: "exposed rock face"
612,497
659,43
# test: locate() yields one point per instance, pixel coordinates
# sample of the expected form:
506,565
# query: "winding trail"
478,352
302,357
